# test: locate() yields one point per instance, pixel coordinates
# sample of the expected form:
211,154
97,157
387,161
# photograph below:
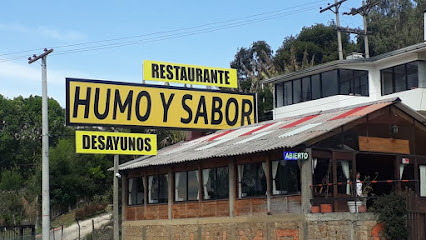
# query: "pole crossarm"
353,30
35,57
336,4
363,10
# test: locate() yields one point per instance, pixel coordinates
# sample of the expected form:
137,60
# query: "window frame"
240,179
160,187
186,199
357,76
130,192
393,80
273,178
216,187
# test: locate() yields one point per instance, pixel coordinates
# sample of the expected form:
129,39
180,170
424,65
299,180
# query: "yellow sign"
91,102
115,143
189,74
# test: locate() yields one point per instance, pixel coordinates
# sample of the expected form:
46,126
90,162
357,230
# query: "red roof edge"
257,129
293,124
346,114
220,135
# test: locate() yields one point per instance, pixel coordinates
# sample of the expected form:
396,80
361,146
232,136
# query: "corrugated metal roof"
259,137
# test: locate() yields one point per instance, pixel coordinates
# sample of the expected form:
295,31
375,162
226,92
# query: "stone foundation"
339,226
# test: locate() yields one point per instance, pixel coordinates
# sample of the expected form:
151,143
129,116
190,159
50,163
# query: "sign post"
115,198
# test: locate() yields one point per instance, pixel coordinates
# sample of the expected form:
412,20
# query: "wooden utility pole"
336,7
363,11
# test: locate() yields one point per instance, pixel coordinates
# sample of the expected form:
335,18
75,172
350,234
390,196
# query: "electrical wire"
165,35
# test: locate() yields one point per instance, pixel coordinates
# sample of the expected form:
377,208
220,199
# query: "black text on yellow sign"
93,142
91,102
189,74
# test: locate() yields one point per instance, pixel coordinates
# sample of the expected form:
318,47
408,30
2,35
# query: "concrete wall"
328,226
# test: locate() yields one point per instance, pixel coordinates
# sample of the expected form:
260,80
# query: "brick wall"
283,227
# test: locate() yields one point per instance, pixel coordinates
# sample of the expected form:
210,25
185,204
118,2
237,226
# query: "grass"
65,220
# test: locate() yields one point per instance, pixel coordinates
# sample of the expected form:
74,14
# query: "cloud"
24,80
44,31
61,35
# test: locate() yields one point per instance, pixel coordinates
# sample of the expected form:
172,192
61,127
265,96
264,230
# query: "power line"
204,28
176,35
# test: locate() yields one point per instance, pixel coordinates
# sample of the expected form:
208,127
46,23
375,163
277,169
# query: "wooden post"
306,180
268,184
200,188
145,194
232,179
170,191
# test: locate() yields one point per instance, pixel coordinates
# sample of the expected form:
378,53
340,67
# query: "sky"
108,40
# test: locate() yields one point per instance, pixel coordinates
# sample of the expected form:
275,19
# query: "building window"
251,180
329,83
136,191
361,83
157,188
279,91
215,183
344,170
316,86
186,186
399,78
412,75
422,174
342,81
345,80
306,89
297,91
322,176
353,82
288,93
285,177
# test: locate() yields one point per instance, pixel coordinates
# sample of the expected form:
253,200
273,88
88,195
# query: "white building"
400,73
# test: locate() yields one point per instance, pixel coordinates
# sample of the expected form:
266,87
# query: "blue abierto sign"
296,156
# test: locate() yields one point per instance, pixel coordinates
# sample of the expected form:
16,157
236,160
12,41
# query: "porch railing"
329,193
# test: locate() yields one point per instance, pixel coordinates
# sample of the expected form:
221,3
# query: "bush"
392,212
104,233
89,210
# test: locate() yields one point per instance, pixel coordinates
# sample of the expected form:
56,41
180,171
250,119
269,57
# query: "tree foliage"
77,176
392,211
394,24
72,177
313,45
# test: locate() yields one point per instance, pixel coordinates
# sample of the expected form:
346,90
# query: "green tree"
11,180
253,65
394,24
20,132
313,45
76,177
